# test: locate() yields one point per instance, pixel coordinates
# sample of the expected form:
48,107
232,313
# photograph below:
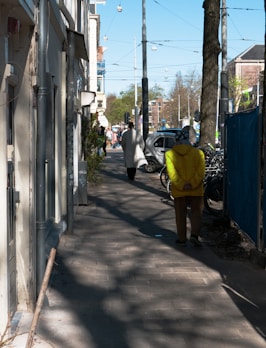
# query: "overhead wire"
157,42
165,43
111,23
175,47
241,8
176,15
234,25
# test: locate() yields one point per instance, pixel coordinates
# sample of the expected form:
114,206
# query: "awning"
80,47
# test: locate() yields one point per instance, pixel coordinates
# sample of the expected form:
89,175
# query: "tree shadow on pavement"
242,280
115,282
84,311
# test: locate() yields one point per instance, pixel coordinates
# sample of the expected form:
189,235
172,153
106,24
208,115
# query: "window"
159,142
100,103
169,142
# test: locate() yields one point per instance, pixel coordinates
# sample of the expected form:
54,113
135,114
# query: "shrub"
93,154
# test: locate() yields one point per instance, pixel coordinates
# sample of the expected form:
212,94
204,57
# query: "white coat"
133,146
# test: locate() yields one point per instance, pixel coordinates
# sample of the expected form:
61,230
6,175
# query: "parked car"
171,130
157,144
178,130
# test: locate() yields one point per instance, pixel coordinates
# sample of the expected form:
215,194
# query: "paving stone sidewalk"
120,281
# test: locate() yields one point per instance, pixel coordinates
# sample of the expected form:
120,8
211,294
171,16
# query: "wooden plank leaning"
40,300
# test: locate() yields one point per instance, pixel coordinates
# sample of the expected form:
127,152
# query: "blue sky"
174,38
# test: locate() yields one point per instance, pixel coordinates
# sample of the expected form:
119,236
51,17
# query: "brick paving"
120,281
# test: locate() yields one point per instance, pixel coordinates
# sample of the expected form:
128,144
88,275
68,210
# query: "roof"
255,52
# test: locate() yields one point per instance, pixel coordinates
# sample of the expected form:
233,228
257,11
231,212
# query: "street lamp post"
179,108
145,90
188,106
158,113
136,90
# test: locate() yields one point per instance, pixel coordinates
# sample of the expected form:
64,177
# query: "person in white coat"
133,145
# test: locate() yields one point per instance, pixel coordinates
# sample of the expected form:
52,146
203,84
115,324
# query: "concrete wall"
18,257
18,286
25,169
17,153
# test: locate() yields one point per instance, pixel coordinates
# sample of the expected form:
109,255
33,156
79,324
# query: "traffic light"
126,117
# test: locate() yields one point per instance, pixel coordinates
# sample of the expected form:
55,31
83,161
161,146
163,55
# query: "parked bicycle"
164,176
213,182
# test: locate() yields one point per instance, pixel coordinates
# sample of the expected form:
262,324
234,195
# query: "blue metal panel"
243,169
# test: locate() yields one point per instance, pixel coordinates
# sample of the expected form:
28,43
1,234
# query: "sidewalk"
120,281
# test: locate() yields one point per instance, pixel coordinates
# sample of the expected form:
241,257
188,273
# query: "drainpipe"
67,15
41,140
69,130
70,116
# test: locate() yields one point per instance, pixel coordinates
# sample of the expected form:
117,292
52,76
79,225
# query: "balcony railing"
101,67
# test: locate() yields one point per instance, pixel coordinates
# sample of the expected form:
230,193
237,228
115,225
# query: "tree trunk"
211,50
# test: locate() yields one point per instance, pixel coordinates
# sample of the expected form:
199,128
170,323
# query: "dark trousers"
196,205
131,172
104,148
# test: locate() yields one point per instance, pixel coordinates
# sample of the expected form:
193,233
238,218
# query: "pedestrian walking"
186,170
102,134
133,146
109,135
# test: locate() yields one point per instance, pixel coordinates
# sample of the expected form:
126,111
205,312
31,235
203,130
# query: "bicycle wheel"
168,187
164,176
213,195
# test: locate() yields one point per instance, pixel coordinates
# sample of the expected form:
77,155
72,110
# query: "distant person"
119,136
109,136
114,140
186,170
104,139
133,146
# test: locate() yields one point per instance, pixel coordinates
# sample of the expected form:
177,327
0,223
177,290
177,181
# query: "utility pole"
224,75
136,89
224,100
145,89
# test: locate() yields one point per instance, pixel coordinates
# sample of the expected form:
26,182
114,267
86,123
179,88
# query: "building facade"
247,68
45,92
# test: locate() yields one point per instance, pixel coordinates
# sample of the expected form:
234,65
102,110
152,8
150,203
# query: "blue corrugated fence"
243,169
